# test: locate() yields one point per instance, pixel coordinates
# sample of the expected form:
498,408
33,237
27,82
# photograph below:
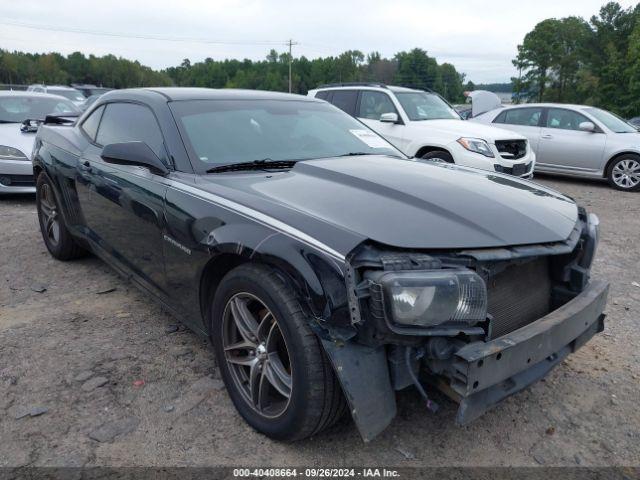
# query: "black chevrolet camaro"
328,270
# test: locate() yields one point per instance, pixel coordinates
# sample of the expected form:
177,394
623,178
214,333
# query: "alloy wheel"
49,211
626,173
257,356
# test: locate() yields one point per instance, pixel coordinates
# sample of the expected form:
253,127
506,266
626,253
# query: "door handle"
547,136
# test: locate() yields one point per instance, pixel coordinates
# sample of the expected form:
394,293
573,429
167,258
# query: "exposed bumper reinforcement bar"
484,373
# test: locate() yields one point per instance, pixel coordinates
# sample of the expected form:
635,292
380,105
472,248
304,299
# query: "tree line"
595,62
414,68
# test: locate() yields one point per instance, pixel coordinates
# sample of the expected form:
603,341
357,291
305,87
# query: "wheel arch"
605,171
430,148
318,285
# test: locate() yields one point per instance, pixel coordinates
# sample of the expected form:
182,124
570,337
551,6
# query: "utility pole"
291,43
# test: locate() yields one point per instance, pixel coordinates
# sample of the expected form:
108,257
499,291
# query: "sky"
478,37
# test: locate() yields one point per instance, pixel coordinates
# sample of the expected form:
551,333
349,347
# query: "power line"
166,38
291,43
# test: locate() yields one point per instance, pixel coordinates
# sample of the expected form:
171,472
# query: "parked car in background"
89,90
69,93
635,121
328,269
464,111
16,139
423,125
575,140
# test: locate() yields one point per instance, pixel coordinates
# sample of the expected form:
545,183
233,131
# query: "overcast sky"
478,37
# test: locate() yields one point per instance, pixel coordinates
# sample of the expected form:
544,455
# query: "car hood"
11,136
402,203
461,128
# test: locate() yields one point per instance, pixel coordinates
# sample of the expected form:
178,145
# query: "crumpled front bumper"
485,373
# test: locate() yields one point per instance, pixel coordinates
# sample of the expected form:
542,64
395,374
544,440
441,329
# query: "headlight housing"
476,145
10,153
432,297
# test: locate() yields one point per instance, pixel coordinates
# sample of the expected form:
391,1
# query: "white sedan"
16,141
575,140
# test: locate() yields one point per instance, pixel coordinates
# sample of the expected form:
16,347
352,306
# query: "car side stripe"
259,217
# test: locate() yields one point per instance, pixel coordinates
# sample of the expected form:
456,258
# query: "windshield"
425,106
73,95
17,108
611,121
230,131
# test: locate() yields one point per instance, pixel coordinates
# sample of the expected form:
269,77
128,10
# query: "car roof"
194,93
550,105
24,93
365,86
59,87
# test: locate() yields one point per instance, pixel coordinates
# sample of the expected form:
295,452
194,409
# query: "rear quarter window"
345,100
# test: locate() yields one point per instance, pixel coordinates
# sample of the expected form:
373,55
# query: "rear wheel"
273,365
55,234
438,156
624,173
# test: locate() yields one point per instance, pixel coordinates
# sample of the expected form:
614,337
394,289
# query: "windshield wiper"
8,121
253,165
356,154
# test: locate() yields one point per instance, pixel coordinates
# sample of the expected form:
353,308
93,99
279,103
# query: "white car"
71,94
423,125
575,140
16,139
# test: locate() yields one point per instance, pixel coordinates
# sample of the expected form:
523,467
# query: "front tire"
438,156
56,236
273,365
624,173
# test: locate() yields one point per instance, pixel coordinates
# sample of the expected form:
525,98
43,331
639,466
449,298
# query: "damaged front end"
479,325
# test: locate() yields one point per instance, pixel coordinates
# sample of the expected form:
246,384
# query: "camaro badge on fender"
176,244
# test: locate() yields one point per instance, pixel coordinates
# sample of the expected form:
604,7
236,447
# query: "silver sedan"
575,140
16,142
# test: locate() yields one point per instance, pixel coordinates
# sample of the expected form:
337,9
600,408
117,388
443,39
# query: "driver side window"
374,104
128,122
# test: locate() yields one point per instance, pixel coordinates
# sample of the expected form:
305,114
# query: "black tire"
438,156
316,400
618,165
61,244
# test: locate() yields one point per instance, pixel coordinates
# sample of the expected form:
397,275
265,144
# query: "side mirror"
390,117
134,153
587,127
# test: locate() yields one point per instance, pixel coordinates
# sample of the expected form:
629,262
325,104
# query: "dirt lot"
91,373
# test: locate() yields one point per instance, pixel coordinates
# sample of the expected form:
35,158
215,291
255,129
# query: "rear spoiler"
32,124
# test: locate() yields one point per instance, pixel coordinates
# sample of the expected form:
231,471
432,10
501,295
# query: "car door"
525,121
564,147
371,105
123,205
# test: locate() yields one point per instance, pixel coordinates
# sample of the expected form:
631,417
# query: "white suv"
423,125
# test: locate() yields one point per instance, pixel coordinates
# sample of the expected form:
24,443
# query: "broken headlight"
429,298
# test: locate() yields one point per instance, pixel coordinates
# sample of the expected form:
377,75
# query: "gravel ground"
92,372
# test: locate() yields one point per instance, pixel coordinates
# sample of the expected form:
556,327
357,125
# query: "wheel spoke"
264,326
244,320
256,385
241,345
244,360
277,375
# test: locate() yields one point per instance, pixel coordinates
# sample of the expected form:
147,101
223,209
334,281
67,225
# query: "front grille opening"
512,149
9,180
519,295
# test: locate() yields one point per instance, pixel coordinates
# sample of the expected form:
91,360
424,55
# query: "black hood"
402,203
